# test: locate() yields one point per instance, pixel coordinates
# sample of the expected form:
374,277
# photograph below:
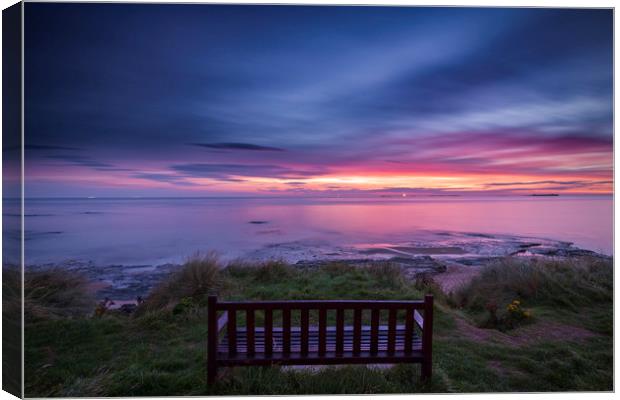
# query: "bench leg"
427,370
212,337
211,373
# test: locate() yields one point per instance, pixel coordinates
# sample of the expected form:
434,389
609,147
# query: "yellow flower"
517,302
527,314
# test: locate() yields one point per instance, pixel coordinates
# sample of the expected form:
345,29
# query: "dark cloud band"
236,146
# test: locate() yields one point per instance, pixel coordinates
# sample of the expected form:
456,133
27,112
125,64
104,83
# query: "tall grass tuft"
336,268
56,293
11,292
262,272
386,273
273,270
568,283
197,278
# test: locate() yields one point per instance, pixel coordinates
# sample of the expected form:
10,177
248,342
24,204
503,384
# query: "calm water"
136,231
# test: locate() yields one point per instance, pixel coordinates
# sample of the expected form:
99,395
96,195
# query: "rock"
125,282
414,266
528,245
411,266
566,252
476,261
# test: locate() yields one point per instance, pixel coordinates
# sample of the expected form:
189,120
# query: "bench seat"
313,341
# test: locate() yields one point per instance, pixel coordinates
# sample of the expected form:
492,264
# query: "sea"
152,231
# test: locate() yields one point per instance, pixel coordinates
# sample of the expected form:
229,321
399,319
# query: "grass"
566,287
569,283
51,294
11,329
162,349
193,283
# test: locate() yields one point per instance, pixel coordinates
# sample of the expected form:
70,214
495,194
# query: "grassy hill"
557,336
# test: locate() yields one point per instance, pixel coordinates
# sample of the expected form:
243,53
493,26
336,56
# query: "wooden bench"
407,337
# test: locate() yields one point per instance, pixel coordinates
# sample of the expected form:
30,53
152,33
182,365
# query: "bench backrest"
416,315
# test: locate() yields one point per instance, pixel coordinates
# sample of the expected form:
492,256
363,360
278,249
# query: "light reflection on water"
123,231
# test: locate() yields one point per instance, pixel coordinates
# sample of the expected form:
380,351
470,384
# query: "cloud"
84,161
231,171
39,147
536,183
551,184
544,113
411,190
176,180
231,180
499,152
390,91
236,146
81,160
47,147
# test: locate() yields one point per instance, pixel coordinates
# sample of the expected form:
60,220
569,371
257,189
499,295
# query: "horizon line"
313,197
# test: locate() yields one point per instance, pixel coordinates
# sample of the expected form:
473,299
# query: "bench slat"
314,335
313,350
286,329
408,331
231,334
382,343
357,330
374,330
348,329
339,330
330,341
322,330
268,331
315,342
330,347
318,304
250,330
391,330
304,331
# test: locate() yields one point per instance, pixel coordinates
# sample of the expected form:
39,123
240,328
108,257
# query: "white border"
451,3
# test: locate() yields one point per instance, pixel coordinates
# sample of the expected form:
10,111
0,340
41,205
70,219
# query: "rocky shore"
453,257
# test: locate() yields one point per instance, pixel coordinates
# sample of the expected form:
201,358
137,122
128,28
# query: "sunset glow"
255,103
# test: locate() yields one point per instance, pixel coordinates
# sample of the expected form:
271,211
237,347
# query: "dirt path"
525,335
456,276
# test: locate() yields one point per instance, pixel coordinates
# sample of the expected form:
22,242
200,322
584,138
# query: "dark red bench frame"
322,345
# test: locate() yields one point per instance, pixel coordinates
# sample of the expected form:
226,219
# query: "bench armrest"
222,321
419,320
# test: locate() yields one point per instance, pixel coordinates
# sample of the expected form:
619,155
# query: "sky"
221,100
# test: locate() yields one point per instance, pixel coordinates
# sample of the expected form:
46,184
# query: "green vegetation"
568,283
199,277
161,349
496,298
11,329
54,293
